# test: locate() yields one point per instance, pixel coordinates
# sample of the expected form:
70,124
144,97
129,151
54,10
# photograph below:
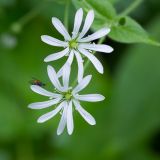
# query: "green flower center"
68,95
73,44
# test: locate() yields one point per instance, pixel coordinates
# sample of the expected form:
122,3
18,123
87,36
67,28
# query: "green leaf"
127,30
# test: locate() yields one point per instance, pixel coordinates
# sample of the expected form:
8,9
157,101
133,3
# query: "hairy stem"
131,8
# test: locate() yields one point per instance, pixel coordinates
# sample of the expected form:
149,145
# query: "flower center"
73,44
68,95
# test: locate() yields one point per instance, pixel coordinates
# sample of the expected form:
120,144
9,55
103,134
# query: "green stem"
30,15
66,14
88,61
131,8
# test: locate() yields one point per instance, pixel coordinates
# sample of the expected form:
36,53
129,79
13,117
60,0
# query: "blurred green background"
128,121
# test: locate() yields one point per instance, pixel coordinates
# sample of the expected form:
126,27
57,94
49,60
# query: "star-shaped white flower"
76,44
63,98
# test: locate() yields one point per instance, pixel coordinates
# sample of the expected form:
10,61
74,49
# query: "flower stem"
66,13
131,8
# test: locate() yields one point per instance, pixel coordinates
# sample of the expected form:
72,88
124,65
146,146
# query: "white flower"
76,44
64,97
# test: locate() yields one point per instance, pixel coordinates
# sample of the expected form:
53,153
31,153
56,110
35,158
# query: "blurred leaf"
134,111
128,30
104,11
10,118
6,2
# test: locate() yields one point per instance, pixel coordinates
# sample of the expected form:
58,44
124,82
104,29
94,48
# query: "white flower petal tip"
54,78
63,120
83,83
90,97
42,91
97,47
60,28
51,114
97,64
45,104
107,31
55,56
98,34
53,41
70,125
87,116
87,24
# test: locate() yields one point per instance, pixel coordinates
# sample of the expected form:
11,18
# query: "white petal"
87,116
55,56
80,66
85,81
66,75
45,104
53,77
97,64
53,41
101,33
77,22
69,61
44,92
50,115
87,24
90,97
70,124
63,120
60,28
97,47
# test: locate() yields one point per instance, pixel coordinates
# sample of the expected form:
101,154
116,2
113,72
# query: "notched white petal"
53,41
66,75
87,24
45,104
97,64
70,125
51,114
60,28
44,92
63,120
90,97
69,60
87,116
77,23
55,56
100,33
53,78
97,47
85,81
80,66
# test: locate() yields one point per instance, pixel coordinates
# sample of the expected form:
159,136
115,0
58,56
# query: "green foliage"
127,121
123,28
127,30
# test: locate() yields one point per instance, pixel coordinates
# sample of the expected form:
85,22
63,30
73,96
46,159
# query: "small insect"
37,82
